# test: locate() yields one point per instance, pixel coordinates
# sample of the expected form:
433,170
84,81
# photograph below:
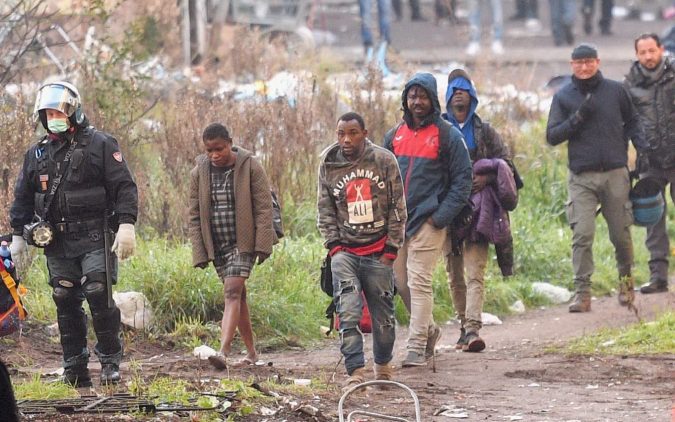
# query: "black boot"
77,376
110,373
654,286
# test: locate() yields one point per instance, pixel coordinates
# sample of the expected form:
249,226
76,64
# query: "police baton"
108,260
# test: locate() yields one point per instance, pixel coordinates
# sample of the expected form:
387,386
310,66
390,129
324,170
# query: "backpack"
12,311
276,216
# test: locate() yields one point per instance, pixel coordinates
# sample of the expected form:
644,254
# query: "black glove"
586,108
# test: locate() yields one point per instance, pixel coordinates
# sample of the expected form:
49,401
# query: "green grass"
644,338
37,389
286,303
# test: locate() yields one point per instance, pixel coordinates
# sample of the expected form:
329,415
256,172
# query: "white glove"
125,241
18,248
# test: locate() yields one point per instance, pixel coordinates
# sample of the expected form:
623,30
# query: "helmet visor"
56,97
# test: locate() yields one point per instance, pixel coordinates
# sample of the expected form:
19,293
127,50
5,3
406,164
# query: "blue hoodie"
462,83
434,162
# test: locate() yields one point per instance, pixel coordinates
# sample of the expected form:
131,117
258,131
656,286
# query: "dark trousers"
606,6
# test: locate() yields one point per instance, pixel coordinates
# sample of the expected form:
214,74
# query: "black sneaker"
473,343
461,341
656,286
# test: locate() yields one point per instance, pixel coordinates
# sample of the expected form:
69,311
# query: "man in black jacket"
651,83
597,117
70,179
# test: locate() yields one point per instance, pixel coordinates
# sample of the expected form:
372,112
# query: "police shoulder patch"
117,156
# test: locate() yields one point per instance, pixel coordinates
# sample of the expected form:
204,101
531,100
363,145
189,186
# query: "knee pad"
95,290
65,297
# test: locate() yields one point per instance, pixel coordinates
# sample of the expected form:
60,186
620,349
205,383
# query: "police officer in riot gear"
70,179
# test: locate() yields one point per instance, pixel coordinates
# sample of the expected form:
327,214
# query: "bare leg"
245,329
233,287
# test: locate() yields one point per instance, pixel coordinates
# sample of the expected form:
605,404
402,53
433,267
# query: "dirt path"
513,379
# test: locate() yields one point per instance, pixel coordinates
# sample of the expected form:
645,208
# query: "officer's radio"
39,233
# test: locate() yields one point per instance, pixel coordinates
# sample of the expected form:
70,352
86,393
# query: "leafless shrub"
20,23
16,129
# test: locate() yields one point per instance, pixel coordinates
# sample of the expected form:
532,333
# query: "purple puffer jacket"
491,205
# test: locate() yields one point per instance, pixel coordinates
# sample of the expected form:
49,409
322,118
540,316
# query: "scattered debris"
553,293
203,352
134,308
452,411
518,307
489,319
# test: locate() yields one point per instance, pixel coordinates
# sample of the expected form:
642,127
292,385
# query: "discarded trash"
518,307
608,343
305,382
52,330
592,387
452,411
489,319
134,308
203,352
553,293
533,384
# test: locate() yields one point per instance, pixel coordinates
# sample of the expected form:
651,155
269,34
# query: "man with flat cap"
596,117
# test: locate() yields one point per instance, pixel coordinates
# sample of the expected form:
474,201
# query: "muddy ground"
516,378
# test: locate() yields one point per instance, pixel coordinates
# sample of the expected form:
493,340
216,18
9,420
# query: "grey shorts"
231,263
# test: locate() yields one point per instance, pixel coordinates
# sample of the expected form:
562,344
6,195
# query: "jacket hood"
459,79
428,82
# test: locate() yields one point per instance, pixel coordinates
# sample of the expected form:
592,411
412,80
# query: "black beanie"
584,51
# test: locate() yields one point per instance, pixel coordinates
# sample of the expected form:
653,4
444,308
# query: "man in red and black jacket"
436,171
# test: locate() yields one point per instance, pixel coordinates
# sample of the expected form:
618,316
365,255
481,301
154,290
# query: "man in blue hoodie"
436,172
482,141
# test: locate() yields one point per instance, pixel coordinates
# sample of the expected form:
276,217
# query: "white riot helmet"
61,96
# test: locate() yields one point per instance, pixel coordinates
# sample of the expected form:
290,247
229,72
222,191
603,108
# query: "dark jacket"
434,162
97,179
600,143
653,94
253,208
362,201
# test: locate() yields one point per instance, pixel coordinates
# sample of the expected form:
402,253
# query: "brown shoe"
357,377
581,302
384,373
